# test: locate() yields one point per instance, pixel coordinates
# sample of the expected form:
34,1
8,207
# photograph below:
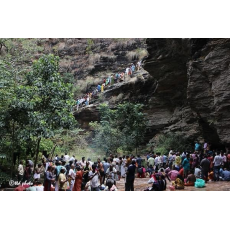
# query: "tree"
132,123
164,143
50,100
123,127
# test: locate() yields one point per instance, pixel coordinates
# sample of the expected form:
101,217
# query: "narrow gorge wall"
193,93
185,90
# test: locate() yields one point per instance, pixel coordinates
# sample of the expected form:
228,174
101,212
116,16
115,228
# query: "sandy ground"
141,183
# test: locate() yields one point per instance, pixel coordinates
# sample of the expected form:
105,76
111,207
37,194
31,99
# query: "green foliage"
33,106
120,128
164,143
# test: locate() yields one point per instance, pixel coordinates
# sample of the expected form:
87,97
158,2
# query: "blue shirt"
106,166
186,164
197,147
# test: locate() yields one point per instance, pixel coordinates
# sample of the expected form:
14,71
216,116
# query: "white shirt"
36,176
83,163
197,172
72,174
218,160
66,158
39,188
20,170
94,182
116,160
72,159
156,160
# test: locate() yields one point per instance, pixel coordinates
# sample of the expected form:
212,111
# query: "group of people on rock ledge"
110,80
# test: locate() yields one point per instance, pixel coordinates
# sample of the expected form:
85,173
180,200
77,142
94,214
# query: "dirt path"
141,183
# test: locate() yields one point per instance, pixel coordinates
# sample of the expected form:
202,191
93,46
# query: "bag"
199,183
140,170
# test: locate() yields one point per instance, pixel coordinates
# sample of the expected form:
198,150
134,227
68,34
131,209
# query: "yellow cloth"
60,183
102,88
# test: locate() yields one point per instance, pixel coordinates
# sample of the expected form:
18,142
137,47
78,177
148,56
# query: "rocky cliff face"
193,87
186,89
90,60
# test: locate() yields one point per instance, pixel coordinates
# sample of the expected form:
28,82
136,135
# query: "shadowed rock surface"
185,90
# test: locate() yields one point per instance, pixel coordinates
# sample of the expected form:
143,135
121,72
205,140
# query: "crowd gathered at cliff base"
84,100
66,173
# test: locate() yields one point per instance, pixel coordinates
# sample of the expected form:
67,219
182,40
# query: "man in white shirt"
94,179
66,158
39,186
116,159
217,162
83,162
72,159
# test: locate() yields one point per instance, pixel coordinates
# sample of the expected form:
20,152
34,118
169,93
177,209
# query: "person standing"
94,178
20,171
130,177
27,173
78,179
62,182
151,161
186,166
66,158
72,176
205,167
83,162
139,161
49,178
105,166
101,170
123,163
217,163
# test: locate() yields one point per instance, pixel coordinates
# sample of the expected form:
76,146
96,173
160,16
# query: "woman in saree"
78,179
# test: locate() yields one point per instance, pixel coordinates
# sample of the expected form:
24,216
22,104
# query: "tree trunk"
13,147
52,152
37,152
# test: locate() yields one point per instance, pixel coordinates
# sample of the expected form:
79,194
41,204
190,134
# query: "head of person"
133,162
49,168
94,166
70,163
98,160
187,156
62,170
78,168
83,159
111,167
110,183
63,163
72,166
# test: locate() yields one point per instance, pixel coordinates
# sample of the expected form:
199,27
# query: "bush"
164,143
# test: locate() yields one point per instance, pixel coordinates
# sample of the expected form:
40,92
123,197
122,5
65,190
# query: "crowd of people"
188,168
66,173
108,81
